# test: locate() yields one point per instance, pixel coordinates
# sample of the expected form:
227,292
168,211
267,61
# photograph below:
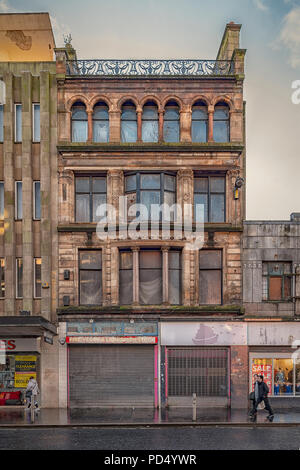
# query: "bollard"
194,407
32,408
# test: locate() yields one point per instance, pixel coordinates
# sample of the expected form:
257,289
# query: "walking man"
32,389
261,391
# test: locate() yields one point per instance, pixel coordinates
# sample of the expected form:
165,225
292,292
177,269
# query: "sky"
193,29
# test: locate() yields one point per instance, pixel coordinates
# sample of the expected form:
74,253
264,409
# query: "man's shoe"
270,418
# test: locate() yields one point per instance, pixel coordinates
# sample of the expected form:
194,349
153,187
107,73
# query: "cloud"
289,37
261,5
6,8
59,30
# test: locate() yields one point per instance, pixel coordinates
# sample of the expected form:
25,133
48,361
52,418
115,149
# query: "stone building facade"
28,234
144,322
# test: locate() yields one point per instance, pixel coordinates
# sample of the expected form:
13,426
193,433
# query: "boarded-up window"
277,281
210,277
90,277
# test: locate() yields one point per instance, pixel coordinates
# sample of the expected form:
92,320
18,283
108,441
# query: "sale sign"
263,369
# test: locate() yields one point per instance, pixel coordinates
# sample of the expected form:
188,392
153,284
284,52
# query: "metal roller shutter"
111,375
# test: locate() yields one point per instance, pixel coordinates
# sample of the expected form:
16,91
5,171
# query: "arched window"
199,122
150,122
100,122
128,122
79,122
221,122
171,122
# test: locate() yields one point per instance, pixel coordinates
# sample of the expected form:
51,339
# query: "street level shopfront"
112,364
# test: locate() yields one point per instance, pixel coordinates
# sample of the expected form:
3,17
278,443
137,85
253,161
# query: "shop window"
209,191
150,122
277,281
18,123
221,122
151,189
1,122
18,200
36,125
171,122
90,194
281,374
199,122
90,277
79,122
128,122
15,372
1,200
100,123
2,277
36,200
210,277
19,278
37,278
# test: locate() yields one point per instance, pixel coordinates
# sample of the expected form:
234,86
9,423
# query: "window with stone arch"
199,122
221,122
171,122
79,122
150,122
100,122
128,122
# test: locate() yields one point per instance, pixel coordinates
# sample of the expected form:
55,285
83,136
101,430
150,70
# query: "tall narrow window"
100,123
79,123
174,277
199,122
128,122
171,122
221,123
19,278
38,278
210,277
90,277
2,277
90,194
36,125
150,283
1,123
209,191
150,122
19,200
36,200
18,123
1,200
126,278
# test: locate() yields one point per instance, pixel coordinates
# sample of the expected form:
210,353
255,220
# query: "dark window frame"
79,104
283,276
90,193
81,250
221,270
198,175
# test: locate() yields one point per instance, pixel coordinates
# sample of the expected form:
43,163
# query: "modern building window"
100,123
151,189
128,122
36,200
150,122
2,277
277,281
18,123
90,277
210,277
221,123
19,278
1,122
79,122
36,124
199,122
18,200
90,194
171,122
1,200
37,278
148,273
209,191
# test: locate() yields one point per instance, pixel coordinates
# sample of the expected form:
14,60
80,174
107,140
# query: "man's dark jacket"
263,390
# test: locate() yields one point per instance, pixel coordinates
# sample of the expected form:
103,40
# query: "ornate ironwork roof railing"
149,67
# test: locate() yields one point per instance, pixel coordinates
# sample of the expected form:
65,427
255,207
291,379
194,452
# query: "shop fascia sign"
111,340
18,344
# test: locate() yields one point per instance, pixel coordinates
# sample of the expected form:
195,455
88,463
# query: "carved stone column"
210,124
185,124
115,189
139,124
90,126
185,190
66,213
160,125
114,125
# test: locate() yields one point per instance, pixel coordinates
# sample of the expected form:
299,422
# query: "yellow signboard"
22,378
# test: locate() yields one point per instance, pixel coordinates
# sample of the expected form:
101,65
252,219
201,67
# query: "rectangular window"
36,200
90,194
37,278
90,277
150,282
2,277
18,123
277,281
174,277
281,373
1,200
209,191
18,200
126,278
210,277
36,129
19,278
1,122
